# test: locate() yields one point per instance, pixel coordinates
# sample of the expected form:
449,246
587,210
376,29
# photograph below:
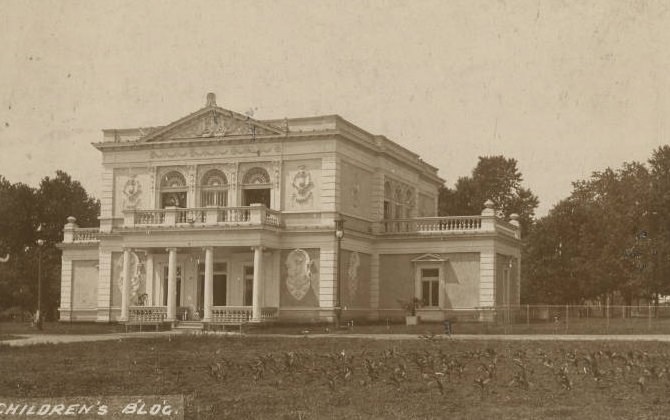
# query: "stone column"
125,290
172,285
209,283
256,301
149,270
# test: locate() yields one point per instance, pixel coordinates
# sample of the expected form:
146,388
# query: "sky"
564,87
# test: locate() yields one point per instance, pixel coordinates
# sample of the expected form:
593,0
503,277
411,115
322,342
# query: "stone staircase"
188,326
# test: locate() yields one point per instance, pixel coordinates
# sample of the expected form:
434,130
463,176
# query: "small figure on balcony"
142,299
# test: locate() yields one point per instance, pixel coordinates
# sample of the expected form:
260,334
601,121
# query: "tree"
609,234
28,214
495,178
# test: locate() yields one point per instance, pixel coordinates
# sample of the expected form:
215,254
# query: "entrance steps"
187,326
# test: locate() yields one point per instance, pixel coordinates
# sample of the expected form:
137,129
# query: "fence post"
567,308
649,317
607,315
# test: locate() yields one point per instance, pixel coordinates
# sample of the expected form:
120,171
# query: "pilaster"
327,280
104,285
487,277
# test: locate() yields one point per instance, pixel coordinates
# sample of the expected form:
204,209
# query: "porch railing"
240,314
147,314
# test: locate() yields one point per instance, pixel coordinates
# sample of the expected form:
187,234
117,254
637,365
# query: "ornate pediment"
429,258
213,121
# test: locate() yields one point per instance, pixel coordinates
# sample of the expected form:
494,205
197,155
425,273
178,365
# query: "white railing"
231,314
148,217
147,314
269,314
86,235
233,214
446,225
191,216
240,314
432,224
209,216
272,217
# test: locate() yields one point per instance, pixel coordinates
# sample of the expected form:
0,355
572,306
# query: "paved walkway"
33,339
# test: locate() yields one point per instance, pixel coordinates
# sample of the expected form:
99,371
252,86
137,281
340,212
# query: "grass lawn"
594,326
4,337
306,378
60,328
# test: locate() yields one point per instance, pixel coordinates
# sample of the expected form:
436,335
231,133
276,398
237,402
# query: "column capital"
172,249
127,248
208,248
259,247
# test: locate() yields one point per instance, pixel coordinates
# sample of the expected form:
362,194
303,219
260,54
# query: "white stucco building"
218,216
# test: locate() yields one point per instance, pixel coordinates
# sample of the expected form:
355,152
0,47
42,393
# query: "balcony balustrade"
259,215
207,216
447,225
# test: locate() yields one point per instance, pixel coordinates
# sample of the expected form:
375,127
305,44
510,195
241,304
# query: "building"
219,216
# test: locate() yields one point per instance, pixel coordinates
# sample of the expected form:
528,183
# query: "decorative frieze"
229,150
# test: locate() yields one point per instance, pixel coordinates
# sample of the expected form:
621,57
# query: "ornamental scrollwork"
303,185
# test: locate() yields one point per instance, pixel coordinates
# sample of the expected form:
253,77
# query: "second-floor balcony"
207,216
261,216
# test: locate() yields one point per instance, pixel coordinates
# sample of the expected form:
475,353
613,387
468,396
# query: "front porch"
221,315
226,285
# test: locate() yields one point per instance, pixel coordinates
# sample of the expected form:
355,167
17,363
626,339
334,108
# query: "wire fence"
563,319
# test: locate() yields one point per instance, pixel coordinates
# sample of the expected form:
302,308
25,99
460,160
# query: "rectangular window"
387,210
430,287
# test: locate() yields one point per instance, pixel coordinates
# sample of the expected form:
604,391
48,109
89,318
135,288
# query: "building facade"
218,216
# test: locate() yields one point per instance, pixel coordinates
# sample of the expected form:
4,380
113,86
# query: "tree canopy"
26,215
495,178
610,237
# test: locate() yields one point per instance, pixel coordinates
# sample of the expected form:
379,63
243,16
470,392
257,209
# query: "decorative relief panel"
132,189
300,278
301,184
137,277
356,279
356,190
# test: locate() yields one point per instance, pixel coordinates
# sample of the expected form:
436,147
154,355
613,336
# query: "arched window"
388,209
398,199
214,189
256,187
256,176
409,202
173,190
